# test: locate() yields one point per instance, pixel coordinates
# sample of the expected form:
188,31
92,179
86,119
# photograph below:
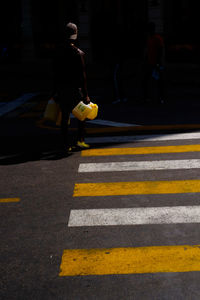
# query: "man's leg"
161,88
81,135
146,81
64,127
64,101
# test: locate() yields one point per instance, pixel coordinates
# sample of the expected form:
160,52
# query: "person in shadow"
153,65
70,83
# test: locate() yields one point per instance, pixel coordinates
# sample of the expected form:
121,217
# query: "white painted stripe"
111,123
140,138
140,165
107,122
2,104
10,106
134,216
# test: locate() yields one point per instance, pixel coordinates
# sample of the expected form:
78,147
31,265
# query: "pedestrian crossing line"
140,150
7,200
140,165
111,123
113,261
12,105
142,138
136,188
134,216
142,128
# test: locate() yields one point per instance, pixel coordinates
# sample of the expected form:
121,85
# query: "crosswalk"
9,200
111,174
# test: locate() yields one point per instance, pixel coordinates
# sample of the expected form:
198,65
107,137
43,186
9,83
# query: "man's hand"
86,100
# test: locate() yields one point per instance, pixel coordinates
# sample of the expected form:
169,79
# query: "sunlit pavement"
117,221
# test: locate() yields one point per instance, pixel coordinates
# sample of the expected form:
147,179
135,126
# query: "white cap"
71,31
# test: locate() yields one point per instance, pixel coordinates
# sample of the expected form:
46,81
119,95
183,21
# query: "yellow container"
59,119
81,111
51,111
93,113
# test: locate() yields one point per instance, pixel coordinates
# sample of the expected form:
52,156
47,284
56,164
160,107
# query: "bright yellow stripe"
130,260
7,200
141,150
137,187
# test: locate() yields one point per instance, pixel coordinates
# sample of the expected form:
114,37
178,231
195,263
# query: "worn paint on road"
134,216
140,165
7,200
76,262
136,188
142,138
141,150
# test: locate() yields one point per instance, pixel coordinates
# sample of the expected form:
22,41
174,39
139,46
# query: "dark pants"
149,83
68,99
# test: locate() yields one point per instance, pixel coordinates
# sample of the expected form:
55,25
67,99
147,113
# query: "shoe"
83,145
69,150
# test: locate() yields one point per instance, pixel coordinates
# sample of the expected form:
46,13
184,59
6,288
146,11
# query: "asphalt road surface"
118,221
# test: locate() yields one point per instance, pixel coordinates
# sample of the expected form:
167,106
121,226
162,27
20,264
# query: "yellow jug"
51,111
81,111
59,119
93,113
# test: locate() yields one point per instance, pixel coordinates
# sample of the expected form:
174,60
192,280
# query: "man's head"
71,31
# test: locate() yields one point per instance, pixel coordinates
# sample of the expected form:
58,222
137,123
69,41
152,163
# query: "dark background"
102,24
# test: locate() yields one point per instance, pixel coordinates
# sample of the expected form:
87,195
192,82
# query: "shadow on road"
17,150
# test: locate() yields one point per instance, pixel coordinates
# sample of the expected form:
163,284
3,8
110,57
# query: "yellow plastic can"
81,111
93,113
51,111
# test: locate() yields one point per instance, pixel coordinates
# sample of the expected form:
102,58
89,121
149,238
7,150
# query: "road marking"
141,150
106,122
11,105
139,165
7,200
2,104
136,188
142,128
102,122
134,216
111,123
139,138
155,259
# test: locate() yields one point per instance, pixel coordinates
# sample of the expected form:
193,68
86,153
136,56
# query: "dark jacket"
69,69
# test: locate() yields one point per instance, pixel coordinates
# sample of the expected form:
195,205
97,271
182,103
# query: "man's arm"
82,76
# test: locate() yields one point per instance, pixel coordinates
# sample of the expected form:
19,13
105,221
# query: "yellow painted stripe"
137,187
141,150
130,260
7,200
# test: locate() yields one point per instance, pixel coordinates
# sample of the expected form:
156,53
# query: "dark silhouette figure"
70,83
153,65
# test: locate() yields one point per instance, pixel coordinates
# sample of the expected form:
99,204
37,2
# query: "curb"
129,130
141,128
